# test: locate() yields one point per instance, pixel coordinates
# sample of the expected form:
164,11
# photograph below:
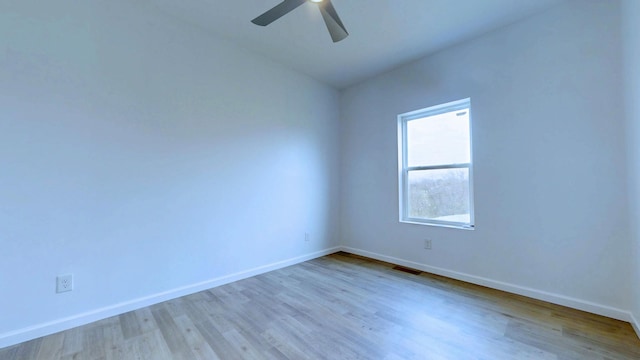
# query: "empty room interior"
178,182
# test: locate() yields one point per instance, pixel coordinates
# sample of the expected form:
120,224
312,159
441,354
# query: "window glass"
439,195
439,139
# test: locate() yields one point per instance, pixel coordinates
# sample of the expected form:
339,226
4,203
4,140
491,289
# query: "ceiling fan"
329,14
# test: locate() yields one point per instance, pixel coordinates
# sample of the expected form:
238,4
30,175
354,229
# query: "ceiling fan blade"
277,12
332,20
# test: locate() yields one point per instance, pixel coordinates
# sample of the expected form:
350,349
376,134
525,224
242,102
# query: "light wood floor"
343,307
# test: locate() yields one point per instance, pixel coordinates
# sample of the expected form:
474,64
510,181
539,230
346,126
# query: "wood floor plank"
218,343
287,344
274,354
199,347
343,306
73,341
93,342
171,332
130,325
114,341
148,346
50,348
27,350
145,320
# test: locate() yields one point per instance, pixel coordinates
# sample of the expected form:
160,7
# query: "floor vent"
407,270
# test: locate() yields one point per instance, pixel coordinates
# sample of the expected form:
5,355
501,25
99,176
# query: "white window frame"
404,169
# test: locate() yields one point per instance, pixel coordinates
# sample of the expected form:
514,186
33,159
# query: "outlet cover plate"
64,283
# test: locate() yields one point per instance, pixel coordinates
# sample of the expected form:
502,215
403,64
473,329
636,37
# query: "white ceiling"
383,33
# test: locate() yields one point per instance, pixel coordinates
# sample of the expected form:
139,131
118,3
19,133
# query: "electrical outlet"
427,244
64,283
307,237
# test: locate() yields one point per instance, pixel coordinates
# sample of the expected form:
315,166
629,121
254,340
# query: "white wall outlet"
427,244
64,283
307,237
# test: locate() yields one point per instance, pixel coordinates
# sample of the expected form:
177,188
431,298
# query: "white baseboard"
634,322
558,299
36,331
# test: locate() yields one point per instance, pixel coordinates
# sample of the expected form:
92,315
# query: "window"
435,167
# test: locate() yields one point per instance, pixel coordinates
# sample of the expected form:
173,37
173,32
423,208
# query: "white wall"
550,178
143,155
631,32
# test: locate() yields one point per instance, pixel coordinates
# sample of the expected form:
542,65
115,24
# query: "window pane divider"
438,167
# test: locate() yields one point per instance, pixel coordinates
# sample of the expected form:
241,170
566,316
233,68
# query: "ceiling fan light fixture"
316,1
